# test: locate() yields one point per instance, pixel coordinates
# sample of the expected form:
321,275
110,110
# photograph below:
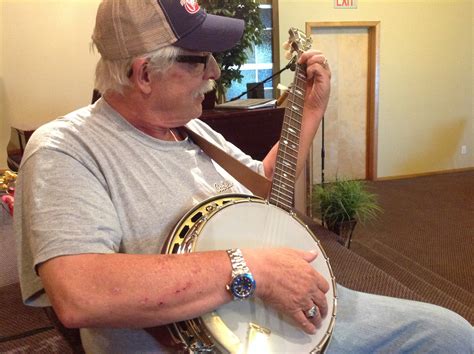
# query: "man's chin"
197,111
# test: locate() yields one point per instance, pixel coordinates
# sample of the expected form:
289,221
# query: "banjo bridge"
258,340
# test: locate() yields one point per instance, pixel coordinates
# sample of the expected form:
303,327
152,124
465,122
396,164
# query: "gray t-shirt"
92,183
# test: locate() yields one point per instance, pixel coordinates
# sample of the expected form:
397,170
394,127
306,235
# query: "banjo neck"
284,178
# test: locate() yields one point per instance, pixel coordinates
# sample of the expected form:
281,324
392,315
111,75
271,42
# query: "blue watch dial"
243,286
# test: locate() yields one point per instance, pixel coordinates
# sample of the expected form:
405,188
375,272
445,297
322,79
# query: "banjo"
239,220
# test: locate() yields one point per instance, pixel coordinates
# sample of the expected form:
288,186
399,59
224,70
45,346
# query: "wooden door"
351,118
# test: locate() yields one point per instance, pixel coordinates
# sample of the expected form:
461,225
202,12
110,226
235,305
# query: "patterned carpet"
25,329
425,237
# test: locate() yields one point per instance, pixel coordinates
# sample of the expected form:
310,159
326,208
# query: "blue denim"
367,323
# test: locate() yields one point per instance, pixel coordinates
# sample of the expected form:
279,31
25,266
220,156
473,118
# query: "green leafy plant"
344,201
230,61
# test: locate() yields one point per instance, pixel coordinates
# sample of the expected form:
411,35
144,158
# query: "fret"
289,178
287,204
287,126
292,110
291,123
298,103
289,169
283,204
287,162
284,193
290,134
289,181
282,197
294,119
290,143
293,149
292,129
284,175
286,172
295,108
290,175
298,93
290,139
286,185
284,163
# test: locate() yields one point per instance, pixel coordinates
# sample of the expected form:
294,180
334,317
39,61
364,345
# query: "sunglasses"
194,59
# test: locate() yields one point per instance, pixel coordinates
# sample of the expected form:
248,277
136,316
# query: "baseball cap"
126,28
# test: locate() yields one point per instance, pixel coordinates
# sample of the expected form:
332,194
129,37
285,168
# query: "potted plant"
342,204
230,61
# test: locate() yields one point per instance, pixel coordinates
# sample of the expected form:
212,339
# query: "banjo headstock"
298,41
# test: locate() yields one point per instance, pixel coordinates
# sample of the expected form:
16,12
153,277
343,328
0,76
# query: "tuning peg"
282,87
288,55
286,45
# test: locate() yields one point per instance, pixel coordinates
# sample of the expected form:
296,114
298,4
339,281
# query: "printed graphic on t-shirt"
224,186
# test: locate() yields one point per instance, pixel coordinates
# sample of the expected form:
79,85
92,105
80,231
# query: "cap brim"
214,34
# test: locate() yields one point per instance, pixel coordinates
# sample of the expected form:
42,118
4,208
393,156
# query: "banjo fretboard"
284,177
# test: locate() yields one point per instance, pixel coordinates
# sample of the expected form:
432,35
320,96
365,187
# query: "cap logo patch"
191,6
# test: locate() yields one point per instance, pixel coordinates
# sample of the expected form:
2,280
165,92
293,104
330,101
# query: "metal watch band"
237,261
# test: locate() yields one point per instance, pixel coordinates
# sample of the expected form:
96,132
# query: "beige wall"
426,78
48,68
3,122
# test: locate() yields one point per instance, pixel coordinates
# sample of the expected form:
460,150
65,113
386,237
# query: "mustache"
206,87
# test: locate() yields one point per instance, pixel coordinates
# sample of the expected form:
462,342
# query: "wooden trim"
342,24
275,44
373,101
373,79
424,174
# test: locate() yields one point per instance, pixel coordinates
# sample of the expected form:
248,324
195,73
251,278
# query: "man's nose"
212,72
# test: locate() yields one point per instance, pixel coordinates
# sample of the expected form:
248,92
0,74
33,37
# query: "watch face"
243,285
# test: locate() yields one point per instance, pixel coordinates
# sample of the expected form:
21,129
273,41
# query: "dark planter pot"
343,230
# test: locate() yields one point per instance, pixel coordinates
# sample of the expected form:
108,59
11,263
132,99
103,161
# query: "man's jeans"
368,323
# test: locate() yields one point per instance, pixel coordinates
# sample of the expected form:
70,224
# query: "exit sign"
345,4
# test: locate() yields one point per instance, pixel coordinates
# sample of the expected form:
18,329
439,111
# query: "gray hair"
113,75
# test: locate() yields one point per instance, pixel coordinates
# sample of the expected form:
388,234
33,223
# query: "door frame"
373,77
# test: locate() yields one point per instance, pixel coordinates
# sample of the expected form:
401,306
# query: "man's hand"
287,282
318,80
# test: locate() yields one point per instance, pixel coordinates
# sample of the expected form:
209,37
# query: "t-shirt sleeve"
66,209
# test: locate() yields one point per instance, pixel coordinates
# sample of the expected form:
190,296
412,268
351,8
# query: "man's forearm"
119,290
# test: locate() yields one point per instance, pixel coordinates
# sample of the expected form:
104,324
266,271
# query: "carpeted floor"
425,237
25,329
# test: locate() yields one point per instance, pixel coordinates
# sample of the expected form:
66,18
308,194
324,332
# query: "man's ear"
140,75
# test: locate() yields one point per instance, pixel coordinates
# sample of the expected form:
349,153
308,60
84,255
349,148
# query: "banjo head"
241,221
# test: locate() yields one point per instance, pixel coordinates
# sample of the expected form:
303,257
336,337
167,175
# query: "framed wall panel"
350,124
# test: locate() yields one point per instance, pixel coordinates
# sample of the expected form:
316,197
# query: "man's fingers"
308,256
305,323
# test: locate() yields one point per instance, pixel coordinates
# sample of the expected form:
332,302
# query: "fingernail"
314,251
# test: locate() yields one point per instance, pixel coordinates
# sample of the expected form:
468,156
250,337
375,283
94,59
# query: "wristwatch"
242,285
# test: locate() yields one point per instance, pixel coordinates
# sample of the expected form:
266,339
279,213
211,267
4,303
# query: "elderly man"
101,188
